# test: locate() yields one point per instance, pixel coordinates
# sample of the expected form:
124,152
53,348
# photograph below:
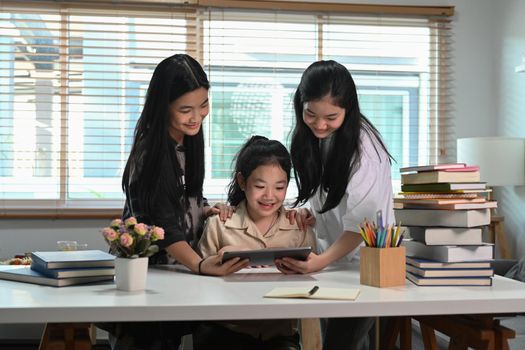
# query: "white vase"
131,274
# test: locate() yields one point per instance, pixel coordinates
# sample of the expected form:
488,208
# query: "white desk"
183,296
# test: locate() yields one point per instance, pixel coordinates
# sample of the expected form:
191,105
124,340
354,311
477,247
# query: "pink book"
440,167
466,168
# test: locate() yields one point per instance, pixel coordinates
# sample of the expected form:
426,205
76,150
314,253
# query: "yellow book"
314,293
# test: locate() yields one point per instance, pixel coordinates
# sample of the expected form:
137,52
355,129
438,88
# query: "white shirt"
369,190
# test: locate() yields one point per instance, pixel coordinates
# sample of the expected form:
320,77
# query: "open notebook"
314,293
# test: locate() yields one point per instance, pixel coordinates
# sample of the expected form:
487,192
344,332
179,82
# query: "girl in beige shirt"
258,190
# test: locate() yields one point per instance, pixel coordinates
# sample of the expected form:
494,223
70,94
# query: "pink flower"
158,233
126,240
141,229
115,223
130,221
109,234
131,239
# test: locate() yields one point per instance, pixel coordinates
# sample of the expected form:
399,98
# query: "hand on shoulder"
222,209
302,216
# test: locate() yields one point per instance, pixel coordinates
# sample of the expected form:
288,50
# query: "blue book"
449,281
23,273
433,264
42,261
444,272
74,272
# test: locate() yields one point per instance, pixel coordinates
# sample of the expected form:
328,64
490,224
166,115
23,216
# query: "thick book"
449,281
450,272
446,218
432,264
449,253
437,201
432,167
440,177
71,259
314,293
74,272
446,235
442,195
445,206
445,187
25,274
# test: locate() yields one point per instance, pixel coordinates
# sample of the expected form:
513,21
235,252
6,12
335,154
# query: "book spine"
41,267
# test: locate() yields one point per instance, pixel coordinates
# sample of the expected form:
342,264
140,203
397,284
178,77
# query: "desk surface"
177,295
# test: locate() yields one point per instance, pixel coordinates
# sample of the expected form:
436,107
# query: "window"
73,81
255,64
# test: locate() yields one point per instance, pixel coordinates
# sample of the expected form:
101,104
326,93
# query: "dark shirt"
178,226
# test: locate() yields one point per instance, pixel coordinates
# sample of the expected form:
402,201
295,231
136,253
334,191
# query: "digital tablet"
268,255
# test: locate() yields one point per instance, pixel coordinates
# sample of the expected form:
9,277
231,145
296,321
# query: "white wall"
20,236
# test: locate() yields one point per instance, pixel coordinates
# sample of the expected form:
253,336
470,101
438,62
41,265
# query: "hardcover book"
439,195
431,167
450,272
25,274
74,272
445,187
432,264
71,259
446,206
449,281
440,177
446,235
446,218
450,253
439,201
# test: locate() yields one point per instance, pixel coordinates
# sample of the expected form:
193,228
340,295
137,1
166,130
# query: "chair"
68,336
475,331
483,332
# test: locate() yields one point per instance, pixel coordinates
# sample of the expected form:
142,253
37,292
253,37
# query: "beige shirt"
240,230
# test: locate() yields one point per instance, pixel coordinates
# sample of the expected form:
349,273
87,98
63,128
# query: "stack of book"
63,268
444,208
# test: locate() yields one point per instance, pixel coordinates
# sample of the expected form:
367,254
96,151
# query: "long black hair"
257,151
153,163
320,79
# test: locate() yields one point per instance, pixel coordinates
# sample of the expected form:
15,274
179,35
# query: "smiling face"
323,117
187,113
265,190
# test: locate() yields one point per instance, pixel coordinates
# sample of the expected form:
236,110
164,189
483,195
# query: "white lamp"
501,159
501,162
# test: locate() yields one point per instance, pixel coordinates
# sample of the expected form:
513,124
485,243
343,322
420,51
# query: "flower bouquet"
130,239
131,242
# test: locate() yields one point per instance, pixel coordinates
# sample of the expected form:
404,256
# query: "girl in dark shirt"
163,181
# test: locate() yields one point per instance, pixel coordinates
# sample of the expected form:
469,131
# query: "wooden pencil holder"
382,267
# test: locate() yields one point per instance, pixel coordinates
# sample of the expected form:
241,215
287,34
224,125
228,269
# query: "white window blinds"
73,80
399,64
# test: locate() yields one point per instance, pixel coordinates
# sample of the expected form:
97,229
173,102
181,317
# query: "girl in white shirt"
342,168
